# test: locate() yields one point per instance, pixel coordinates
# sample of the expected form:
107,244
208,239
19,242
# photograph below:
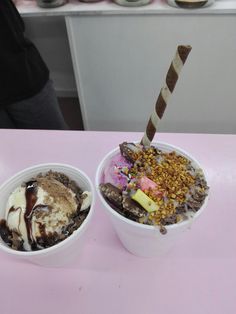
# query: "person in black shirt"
27,95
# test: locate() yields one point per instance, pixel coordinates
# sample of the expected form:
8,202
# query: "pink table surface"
197,277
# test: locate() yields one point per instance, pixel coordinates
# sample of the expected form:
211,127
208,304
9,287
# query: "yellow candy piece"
148,204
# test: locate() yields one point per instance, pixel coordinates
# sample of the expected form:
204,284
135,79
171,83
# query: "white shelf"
74,7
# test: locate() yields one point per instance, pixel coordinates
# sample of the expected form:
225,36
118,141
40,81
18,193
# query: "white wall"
121,63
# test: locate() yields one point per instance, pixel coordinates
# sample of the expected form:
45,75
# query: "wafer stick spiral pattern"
165,93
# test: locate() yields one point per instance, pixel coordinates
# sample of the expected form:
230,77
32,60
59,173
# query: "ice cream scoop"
44,211
117,172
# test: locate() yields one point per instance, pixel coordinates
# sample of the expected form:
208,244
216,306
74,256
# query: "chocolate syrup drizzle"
13,209
44,239
31,199
31,191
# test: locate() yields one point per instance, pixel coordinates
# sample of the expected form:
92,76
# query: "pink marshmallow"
147,184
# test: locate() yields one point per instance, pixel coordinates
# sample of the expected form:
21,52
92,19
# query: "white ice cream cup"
65,251
140,239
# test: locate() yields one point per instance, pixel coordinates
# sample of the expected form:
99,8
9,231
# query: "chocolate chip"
163,230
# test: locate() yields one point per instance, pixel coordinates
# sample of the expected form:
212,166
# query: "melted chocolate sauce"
5,232
12,209
31,199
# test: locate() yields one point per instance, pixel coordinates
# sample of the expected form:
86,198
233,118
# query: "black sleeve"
23,72
11,24
16,14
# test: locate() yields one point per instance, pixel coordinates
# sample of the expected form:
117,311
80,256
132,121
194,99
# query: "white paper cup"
66,250
139,239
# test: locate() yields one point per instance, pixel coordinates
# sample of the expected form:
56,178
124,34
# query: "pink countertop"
197,277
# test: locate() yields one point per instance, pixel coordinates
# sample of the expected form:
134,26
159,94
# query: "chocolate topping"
50,183
112,193
129,151
133,209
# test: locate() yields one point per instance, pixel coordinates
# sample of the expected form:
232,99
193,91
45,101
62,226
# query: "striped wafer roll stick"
165,93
